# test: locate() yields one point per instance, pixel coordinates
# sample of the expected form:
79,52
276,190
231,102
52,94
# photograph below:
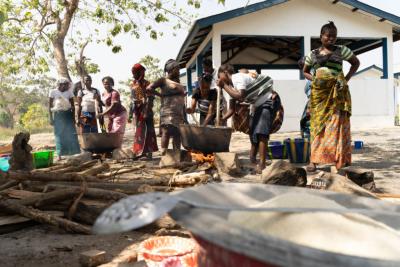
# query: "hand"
100,115
189,111
129,120
78,123
145,116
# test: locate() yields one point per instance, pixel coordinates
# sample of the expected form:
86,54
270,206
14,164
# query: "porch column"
387,53
199,65
306,48
216,50
189,80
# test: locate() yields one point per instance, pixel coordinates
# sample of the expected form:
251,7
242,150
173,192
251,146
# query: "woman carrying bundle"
265,104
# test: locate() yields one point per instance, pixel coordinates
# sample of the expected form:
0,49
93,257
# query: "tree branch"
168,11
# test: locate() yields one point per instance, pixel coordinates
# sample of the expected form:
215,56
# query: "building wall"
372,103
373,99
371,74
282,20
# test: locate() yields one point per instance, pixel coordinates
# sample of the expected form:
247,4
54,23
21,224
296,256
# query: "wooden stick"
386,195
120,171
95,170
8,185
95,193
43,217
47,177
126,188
49,198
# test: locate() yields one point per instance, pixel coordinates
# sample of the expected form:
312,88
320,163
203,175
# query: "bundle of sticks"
71,196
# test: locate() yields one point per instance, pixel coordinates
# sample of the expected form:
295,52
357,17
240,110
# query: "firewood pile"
72,195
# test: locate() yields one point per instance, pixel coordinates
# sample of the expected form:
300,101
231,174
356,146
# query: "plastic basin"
4,166
43,159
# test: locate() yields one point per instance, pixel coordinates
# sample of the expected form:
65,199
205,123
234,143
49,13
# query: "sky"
119,65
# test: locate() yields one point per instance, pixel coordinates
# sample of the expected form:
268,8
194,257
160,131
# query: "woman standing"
116,113
172,105
61,111
330,102
145,141
205,99
86,106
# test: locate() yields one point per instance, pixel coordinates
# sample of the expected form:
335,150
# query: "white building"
275,34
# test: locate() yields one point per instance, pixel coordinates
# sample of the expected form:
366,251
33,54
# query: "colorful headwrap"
138,68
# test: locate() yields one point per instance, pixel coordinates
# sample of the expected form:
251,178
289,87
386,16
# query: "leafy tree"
42,27
35,118
6,120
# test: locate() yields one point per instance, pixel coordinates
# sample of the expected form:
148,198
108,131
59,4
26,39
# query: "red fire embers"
202,158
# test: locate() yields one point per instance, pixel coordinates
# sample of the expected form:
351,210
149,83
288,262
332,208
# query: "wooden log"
47,177
53,168
95,193
189,179
11,223
8,184
43,217
50,198
21,194
283,173
93,171
88,211
125,188
120,171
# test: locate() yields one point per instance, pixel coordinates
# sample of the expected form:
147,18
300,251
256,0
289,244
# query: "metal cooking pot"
207,139
100,142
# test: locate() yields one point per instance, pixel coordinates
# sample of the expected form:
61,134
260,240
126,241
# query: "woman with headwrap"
86,106
145,141
115,111
172,105
61,111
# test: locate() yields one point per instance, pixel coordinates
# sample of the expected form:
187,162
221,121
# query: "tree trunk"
59,56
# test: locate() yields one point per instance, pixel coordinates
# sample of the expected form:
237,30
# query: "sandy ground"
45,246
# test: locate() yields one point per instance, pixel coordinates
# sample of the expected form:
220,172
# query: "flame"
201,158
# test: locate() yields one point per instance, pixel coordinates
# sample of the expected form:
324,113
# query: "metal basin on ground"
207,140
100,142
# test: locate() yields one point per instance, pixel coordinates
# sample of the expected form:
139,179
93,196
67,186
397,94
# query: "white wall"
372,103
304,18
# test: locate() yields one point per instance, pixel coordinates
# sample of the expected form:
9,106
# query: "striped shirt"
333,61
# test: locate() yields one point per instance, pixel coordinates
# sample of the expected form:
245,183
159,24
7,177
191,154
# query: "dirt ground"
45,246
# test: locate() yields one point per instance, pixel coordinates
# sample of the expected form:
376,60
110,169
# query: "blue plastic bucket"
276,150
298,150
4,165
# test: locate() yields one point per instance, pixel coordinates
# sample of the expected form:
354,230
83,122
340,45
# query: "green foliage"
6,121
36,117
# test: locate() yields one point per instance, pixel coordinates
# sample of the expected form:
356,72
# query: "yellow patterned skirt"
333,143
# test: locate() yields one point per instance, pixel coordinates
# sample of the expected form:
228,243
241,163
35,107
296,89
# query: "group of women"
329,107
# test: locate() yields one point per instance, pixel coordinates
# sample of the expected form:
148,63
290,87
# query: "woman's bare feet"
260,168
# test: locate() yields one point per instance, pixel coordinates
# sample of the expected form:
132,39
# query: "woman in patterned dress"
330,101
